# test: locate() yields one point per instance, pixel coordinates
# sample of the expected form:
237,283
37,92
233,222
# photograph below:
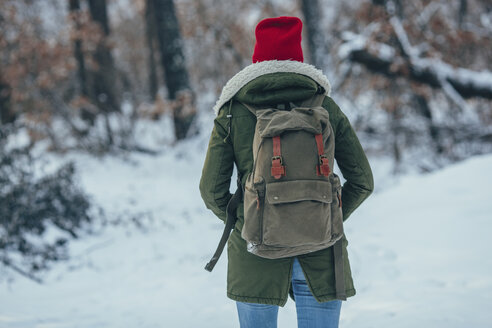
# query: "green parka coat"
251,278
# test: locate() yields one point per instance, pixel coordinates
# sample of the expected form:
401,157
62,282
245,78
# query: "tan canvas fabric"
299,212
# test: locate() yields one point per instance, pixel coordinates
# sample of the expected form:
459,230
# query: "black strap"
339,276
231,218
314,101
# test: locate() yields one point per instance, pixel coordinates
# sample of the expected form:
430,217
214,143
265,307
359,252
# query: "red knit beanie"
278,39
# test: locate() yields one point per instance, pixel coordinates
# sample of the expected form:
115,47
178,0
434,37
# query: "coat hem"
332,296
281,302
258,300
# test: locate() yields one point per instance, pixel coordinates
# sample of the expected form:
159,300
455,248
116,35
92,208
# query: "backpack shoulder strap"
231,219
251,108
314,101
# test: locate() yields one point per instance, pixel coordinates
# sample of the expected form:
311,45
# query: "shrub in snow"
38,215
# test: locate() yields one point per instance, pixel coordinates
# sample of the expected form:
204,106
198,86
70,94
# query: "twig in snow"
9,264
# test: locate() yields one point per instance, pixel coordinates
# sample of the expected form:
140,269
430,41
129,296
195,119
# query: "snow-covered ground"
418,249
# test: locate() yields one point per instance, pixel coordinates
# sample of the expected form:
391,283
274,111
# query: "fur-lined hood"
251,72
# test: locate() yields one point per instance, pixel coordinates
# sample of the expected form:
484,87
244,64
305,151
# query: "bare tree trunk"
173,63
87,115
99,13
398,8
462,13
105,75
74,7
394,7
424,110
316,40
150,31
6,114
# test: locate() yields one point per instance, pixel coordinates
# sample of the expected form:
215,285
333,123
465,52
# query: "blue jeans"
310,313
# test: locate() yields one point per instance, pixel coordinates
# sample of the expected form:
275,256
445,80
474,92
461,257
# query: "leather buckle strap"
278,170
323,168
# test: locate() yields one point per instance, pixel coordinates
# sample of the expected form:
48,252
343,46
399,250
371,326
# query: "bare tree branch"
429,71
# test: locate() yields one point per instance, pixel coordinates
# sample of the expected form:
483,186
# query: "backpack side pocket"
254,199
336,207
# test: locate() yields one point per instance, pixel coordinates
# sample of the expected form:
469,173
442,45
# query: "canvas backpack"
292,198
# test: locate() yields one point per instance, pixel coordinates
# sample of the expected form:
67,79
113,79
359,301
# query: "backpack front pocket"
297,213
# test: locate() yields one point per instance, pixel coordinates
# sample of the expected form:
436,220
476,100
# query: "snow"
417,251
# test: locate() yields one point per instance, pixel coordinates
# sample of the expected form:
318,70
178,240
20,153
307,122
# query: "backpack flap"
299,190
272,122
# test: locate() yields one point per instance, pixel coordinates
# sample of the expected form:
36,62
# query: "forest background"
121,78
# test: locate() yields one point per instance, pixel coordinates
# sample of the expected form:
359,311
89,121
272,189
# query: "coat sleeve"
217,170
352,162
